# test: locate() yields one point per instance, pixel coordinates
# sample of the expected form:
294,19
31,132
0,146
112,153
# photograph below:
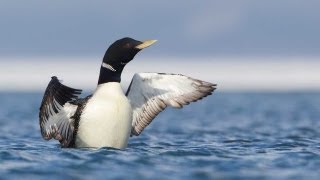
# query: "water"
228,135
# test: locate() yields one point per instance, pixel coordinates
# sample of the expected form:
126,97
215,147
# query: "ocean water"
225,136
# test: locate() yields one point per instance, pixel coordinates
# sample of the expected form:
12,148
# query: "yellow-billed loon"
108,117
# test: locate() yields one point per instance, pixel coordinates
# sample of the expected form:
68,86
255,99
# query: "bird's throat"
109,74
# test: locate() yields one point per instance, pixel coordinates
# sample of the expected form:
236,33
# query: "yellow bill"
145,44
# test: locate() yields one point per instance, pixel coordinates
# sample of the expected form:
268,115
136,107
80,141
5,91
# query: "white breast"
106,119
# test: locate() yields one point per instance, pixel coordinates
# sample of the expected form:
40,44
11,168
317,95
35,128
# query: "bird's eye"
127,45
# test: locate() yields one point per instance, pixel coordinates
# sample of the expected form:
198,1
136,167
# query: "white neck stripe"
108,66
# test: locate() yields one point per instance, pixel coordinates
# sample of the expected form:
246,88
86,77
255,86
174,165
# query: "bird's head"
117,56
123,51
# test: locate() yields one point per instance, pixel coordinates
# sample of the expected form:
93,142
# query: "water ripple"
231,136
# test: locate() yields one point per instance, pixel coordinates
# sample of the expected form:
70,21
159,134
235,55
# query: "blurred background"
261,123
241,45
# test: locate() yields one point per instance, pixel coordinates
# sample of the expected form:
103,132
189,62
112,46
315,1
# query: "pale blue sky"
183,28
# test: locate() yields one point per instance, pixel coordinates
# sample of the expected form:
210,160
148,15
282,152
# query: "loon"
108,117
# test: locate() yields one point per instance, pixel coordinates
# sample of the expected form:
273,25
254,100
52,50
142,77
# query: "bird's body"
108,117
106,120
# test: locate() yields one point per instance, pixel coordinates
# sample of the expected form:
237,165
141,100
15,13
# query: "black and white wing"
55,112
151,93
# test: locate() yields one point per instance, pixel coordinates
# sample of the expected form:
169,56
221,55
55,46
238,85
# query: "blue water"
228,135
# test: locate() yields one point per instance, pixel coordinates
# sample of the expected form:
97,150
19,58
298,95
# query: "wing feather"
55,112
151,93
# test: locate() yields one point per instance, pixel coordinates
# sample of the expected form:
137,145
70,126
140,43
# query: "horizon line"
241,75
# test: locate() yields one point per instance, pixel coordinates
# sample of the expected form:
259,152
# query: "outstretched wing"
151,93
55,112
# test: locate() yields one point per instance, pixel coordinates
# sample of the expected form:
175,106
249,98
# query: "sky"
183,28
246,45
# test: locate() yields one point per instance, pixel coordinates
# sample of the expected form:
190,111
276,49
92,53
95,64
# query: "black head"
123,51
118,55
